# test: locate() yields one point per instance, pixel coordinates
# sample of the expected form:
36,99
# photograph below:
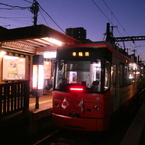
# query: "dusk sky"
127,15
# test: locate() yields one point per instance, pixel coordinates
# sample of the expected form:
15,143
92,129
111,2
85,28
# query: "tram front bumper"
86,124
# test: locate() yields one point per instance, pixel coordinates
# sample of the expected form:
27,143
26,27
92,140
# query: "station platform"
45,107
45,102
40,118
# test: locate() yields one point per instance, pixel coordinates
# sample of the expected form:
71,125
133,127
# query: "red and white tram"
91,82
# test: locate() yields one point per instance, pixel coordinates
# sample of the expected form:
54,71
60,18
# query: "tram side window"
121,75
124,75
107,75
95,69
60,75
131,74
134,72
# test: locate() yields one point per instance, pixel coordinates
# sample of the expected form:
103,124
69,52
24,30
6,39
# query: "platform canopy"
33,39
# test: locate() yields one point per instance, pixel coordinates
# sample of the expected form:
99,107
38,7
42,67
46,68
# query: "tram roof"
31,39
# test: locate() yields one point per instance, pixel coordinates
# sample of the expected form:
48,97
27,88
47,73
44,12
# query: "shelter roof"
32,39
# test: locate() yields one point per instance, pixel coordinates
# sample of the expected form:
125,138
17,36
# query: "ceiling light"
54,41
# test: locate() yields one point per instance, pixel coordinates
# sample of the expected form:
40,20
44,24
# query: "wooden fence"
14,97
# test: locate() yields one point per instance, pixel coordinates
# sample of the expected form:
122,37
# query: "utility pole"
109,33
34,9
127,49
134,50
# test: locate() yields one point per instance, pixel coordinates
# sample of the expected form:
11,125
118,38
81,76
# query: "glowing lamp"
52,40
80,53
50,54
38,75
2,53
74,54
76,88
87,54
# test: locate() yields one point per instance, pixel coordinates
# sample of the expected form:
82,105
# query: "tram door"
114,88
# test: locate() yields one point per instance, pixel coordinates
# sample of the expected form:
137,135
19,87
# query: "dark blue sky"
127,15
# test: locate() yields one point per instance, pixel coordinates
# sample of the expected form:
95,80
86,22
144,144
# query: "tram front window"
79,72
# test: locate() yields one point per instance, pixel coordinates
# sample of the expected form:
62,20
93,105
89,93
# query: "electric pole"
34,9
134,50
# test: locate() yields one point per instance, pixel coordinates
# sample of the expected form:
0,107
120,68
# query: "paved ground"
45,102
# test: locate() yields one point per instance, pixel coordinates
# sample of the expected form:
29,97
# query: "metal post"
37,103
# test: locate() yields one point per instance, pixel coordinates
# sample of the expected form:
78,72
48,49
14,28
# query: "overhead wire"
102,11
47,15
28,1
117,21
110,20
52,19
122,27
20,21
22,8
115,17
13,17
106,15
12,7
44,18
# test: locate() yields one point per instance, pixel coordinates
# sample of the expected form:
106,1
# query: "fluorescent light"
50,54
10,57
40,76
35,75
54,41
2,53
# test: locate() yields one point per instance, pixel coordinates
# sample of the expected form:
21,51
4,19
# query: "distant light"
86,53
126,61
74,54
131,76
80,54
50,54
54,41
2,53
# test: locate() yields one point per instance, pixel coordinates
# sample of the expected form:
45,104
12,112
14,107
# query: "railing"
14,97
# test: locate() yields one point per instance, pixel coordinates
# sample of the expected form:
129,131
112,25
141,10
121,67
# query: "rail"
14,97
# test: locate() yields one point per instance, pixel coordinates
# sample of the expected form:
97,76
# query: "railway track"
46,137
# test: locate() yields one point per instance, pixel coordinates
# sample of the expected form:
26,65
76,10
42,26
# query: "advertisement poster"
13,68
47,69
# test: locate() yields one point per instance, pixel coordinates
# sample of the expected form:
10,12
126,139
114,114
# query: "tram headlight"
96,107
